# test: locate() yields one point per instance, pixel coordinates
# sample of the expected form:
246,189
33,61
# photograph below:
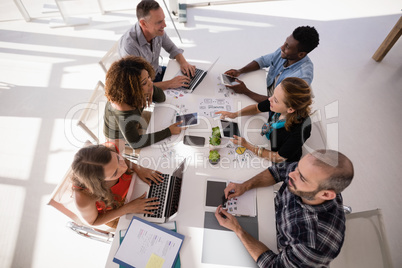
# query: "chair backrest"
365,243
111,56
113,5
317,139
91,119
62,199
75,11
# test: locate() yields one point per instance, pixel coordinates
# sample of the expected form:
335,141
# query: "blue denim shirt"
303,68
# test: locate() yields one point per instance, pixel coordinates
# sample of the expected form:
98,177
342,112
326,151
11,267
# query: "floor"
46,73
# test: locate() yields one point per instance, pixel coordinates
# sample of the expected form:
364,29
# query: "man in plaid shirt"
310,220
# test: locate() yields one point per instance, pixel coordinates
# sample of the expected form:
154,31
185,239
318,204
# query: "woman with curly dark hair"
289,124
101,181
129,89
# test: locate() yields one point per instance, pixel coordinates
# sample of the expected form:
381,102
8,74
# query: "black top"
288,144
125,124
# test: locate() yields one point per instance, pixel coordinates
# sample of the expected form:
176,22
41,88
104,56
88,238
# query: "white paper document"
148,245
209,106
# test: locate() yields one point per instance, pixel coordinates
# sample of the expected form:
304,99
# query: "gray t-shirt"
133,43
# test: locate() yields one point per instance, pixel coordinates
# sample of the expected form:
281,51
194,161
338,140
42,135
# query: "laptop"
168,193
197,78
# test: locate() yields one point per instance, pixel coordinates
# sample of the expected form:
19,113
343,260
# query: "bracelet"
255,151
260,149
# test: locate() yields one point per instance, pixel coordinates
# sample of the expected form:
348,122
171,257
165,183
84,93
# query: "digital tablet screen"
228,80
215,193
229,129
188,119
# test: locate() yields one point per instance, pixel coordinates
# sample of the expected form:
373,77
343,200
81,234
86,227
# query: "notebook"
168,193
197,78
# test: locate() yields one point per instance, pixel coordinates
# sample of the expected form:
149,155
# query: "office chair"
366,243
91,121
111,56
318,138
108,6
62,199
72,13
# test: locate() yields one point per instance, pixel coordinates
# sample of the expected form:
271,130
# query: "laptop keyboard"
198,73
159,191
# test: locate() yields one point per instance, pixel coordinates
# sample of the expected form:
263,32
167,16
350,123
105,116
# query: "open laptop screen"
175,190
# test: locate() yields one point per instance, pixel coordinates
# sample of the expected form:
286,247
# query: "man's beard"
306,195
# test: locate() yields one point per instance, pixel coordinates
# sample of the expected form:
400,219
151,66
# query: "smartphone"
228,80
228,129
194,141
188,119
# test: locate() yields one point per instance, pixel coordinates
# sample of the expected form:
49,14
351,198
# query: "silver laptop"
168,193
197,78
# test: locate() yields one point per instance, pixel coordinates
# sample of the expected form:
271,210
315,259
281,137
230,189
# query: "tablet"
215,194
188,119
228,129
228,80
244,205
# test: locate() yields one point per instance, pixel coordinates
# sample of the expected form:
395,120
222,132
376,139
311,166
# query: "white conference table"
166,155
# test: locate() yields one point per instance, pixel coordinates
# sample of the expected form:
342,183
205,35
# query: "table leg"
389,41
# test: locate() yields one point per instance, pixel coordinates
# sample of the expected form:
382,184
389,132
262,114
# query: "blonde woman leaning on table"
129,88
289,124
101,181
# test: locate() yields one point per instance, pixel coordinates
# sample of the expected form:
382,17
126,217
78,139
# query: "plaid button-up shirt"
307,236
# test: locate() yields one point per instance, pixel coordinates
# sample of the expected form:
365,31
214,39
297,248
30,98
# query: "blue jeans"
159,76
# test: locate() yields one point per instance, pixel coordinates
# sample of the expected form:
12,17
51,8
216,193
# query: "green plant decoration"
215,141
215,138
216,132
214,156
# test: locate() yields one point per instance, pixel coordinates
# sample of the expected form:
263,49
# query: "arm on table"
180,80
254,247
86,205
259,151
252,66
175,82
241,88
248,110
262,179
185,67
